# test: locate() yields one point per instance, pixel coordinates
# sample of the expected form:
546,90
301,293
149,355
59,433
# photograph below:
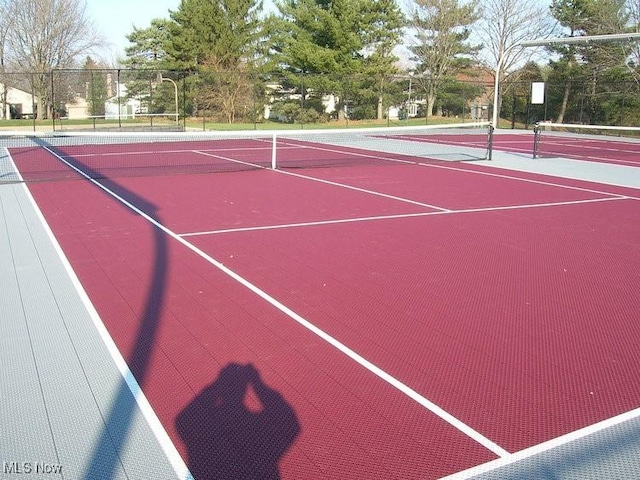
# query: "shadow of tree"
226,439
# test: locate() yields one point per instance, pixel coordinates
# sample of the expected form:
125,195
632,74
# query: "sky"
115,19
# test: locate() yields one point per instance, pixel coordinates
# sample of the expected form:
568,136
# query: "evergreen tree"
442,47
340,47
219,39
148,49
95,87
226,32
146,59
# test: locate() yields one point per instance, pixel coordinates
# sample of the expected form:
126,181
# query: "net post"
490,143
273,152
537,129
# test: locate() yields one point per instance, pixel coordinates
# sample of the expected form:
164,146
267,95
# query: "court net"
42,156
585,141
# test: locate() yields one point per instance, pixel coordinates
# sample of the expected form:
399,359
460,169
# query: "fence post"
33,102
118,90
53,103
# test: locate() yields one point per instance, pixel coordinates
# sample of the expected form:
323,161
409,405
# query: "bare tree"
633,10
226,90
5,25
44,35
506,23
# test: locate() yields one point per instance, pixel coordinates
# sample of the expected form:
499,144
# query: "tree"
588,61
504,24
225,30
318,46
385,22
146,57
95,86
45,35
227,93
340,47
633,10
148,46
5,26
441,49
219,40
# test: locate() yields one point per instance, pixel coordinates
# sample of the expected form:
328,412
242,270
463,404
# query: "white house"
122,107
16,103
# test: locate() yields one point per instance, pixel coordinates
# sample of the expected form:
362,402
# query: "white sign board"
537,93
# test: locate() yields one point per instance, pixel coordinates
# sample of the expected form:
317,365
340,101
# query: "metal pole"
53,104
119,105
93,100
175,89
616,37
33,102
274,163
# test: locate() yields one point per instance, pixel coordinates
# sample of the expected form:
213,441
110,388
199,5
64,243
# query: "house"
123,107
77,108
16,103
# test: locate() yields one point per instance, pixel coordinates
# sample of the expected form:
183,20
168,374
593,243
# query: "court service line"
159,432
329,182
395,216
380,373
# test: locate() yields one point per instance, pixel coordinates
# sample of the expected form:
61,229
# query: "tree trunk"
380,112
431,101
565,101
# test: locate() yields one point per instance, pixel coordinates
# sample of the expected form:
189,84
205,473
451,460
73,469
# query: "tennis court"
371,308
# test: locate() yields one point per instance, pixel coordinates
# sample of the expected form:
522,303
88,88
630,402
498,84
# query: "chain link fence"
161,99
584,101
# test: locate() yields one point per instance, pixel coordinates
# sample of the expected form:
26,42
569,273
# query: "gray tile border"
60,384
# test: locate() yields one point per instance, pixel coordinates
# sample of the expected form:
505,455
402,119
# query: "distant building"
122,107
16,103
77,108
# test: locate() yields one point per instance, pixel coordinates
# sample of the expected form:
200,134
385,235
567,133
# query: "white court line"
531,180
396,216
335,184
545,446
232,160
445,167
161,435
155,152
383,375
575,156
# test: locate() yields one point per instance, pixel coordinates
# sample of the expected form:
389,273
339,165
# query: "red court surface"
401,322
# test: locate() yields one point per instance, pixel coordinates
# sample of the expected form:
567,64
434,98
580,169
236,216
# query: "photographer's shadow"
227,440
